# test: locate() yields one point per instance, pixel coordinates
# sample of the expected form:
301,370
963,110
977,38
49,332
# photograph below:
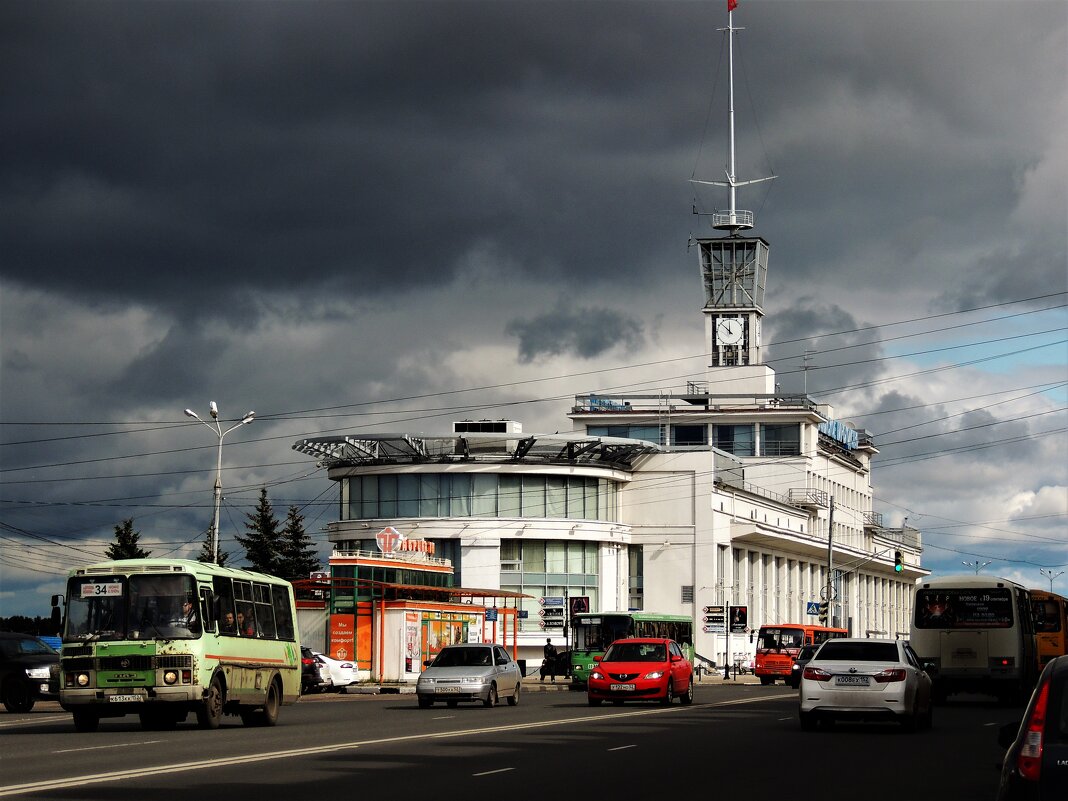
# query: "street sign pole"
727,642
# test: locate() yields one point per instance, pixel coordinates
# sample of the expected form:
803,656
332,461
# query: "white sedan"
342,671
862,679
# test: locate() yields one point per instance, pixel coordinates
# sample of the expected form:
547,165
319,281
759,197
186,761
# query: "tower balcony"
732,220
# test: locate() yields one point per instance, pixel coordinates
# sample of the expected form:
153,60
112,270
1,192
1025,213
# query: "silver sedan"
862,679
469,672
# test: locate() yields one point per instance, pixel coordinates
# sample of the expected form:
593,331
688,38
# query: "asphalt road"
737,740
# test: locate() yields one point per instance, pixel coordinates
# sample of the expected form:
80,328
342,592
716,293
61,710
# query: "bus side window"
207,609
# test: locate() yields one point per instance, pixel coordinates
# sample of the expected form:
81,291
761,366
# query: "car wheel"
425,703
808,721
17,696
85,720
687,697
491,696
593,701
669,694
210,711
513,699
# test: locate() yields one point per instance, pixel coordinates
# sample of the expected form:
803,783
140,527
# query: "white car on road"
342,671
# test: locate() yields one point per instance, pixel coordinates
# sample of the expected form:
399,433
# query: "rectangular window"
533,496
429,494
459,494
369,503
555,557
576,495
408,495
689,435
534,556
387,496
355,496
739,440
780,439
283,613
556,496
511,555
484,492
508,501
591,497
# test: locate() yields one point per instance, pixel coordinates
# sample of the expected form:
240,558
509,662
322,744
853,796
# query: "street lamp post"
976,565
218,431
1050,575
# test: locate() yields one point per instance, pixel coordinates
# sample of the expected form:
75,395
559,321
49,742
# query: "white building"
725,493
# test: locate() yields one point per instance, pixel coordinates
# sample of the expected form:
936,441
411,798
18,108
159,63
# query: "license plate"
446,689
622,687
123,699
852,681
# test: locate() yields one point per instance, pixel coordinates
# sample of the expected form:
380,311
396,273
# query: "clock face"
729,331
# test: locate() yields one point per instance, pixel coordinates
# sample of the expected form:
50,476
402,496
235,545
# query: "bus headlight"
81,679
170,677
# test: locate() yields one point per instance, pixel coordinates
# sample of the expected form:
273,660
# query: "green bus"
161,638
593,632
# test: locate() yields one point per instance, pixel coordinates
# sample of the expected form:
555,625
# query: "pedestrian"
548,664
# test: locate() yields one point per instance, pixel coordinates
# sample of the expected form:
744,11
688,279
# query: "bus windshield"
597,632
137,607
778,637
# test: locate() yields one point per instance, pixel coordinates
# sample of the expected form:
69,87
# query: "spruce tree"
206,555
263,543
299,557
125,545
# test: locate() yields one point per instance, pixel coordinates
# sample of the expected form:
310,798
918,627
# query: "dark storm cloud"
843,357
584,332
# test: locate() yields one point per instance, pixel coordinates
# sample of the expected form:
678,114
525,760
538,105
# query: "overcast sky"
386,216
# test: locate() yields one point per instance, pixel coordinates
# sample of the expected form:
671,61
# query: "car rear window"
837,651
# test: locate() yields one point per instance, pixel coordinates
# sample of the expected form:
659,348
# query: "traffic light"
898,564
824,607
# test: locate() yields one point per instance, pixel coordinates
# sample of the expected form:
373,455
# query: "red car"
641,669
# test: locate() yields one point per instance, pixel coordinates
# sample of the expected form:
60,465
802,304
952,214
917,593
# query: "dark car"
311,679
802,659
1035,767
29,671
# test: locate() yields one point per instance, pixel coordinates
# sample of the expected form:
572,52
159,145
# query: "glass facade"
376,497
549,568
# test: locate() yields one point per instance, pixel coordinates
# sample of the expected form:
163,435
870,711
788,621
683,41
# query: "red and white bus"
778,644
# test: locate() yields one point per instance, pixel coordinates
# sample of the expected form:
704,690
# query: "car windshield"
24,645
464,657
838,651
635,652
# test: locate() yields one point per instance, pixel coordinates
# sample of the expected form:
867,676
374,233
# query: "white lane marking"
98,747
10,724
491,772
182,767
623,747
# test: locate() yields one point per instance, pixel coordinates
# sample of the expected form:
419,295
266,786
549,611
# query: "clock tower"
734,271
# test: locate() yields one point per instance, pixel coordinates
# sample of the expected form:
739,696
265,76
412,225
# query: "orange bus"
1050,613
777,645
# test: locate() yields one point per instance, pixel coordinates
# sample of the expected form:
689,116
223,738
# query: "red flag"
731,5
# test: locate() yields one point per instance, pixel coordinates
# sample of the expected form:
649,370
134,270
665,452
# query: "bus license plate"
622,688
124,699
853,681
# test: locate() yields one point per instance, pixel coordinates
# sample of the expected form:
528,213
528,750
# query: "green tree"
125,545
263,542
206,555
299,557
